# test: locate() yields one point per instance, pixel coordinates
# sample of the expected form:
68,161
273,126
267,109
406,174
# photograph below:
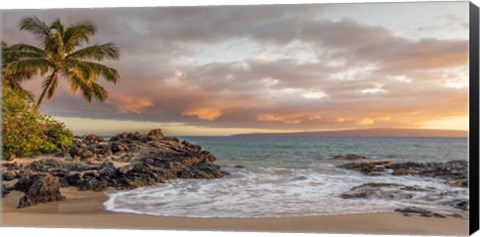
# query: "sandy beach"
85,210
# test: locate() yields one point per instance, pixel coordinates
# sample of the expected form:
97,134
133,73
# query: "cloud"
208,114
265,67
366,121
378,88
278,118
126,103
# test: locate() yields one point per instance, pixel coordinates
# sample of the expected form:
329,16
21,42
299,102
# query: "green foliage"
58,134
26,133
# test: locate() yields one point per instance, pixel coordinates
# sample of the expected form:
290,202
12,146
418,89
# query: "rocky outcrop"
409,211
383,191
455,173
461,204
39,189
349,157
367,168
126,161
4,191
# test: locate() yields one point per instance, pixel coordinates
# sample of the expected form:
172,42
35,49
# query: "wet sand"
85,210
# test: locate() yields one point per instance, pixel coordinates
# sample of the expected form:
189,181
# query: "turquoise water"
294,176
301,152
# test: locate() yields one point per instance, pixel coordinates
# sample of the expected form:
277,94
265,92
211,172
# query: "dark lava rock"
4,190
118,137
56,166
383,191
462,204
107,169
156,133
118,147
39,189
126,161
450,170
93,181
408,211
8,175
366,167
349,157
82,151
191,147
74,179
173,140
454,172
92,138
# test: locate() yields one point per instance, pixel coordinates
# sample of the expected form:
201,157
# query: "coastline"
84,209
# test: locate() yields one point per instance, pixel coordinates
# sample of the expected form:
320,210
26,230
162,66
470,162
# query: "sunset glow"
226,70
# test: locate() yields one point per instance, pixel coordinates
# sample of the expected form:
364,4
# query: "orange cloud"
384,118
208,114
366,121
315,117
126,103
289,119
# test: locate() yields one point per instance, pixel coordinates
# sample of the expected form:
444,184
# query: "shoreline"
84,209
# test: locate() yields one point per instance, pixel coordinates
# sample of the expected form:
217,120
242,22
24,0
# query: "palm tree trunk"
45,91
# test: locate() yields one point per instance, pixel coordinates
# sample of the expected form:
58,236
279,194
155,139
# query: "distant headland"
373,132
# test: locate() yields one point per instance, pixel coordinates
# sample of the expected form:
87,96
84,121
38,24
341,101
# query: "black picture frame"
474,118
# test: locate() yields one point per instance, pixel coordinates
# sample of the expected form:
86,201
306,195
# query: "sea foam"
274,192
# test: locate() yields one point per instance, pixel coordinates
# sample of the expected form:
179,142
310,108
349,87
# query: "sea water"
294,176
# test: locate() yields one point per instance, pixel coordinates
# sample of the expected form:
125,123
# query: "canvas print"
326,118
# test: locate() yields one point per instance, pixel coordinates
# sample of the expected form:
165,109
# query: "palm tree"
12,80
61,57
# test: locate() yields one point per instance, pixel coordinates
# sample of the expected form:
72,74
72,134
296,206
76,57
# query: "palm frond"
99,92
97,52
94,70
72,75
55,44
51,85
34,25
57,26
26,47
16,86
12,55
81,84
35,64
78,34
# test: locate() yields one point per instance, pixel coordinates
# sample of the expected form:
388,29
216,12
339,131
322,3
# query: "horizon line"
303,132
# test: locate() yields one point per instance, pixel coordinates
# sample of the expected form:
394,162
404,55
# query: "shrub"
58,134
26,133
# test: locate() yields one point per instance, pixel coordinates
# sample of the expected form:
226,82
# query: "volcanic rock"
39,189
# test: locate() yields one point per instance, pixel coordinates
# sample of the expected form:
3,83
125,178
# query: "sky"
222,70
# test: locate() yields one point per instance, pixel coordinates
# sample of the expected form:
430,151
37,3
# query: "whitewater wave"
274,192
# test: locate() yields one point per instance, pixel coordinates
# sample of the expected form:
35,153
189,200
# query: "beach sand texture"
85,210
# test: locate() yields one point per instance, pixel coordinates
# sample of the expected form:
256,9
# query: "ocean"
295,176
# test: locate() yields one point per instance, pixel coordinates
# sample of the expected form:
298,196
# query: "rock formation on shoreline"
126,161
455,173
